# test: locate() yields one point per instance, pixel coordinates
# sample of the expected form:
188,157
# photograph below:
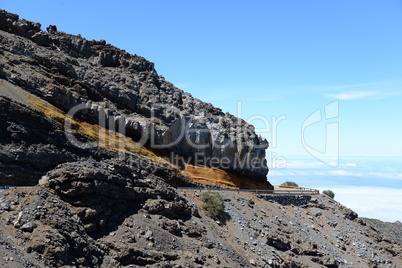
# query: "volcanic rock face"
31,145
116,88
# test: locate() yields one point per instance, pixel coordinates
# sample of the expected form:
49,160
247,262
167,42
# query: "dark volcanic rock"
125,89
52,229
31,145
285,200
350,214
278,243
104,192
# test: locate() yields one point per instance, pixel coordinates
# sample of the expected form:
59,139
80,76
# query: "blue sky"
285,61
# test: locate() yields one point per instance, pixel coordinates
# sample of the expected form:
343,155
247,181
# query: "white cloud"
365,94
313,170
353,86
353,95
276,172
384,175
370,91
308,164
390,169
318,173
315,164
342,172
314,173
373,202
264,99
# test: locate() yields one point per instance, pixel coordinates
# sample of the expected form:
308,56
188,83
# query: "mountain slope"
100,183
105,214
123,92
391,230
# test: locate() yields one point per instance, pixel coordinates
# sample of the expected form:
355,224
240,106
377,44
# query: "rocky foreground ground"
109,214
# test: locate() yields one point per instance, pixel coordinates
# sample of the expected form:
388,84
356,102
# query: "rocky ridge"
124,89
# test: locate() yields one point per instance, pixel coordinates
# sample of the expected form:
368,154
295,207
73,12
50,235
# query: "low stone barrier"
286,200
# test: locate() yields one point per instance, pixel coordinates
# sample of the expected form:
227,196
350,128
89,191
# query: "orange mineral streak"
219,178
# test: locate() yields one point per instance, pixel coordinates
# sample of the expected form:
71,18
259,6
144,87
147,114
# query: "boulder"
278,243
28,227
51,29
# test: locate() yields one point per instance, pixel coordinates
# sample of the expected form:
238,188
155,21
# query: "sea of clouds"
371,186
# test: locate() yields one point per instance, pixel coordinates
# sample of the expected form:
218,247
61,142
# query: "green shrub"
290,183
329,193
213,205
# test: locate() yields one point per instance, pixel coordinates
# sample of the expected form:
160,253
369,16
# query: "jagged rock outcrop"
104,191
125,89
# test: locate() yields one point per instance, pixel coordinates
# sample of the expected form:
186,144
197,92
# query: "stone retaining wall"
286,200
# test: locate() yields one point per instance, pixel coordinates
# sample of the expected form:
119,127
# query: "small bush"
290,183
343,247
213,205
329,193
